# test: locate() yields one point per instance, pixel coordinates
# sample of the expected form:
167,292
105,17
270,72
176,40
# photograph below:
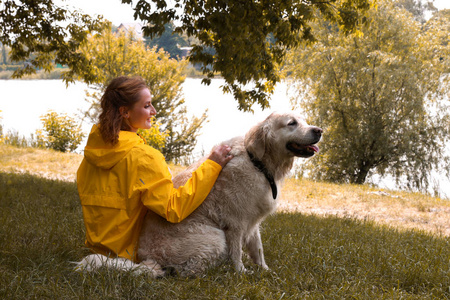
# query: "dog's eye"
293,123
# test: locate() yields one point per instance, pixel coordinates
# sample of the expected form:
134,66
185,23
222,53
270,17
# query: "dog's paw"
247,272
241,269
152,268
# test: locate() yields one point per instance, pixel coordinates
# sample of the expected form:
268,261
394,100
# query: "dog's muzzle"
307,150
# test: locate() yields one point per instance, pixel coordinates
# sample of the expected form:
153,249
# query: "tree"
437,29
240,31
37,36
379,97
169,41
417,8
114,54
4,57
249,37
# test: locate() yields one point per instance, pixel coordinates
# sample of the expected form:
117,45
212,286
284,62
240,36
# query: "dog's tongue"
313,148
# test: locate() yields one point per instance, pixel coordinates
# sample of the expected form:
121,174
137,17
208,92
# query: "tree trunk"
4,56
361,176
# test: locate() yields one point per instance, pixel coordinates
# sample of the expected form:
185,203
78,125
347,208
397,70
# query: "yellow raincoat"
117,184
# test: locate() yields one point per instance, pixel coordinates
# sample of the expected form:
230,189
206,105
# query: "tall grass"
13,138
310,257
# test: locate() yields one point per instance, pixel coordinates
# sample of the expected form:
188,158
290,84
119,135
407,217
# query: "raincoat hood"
106,156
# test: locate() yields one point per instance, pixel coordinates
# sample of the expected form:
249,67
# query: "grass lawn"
311,256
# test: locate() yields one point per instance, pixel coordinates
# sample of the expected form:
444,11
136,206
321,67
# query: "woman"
120,177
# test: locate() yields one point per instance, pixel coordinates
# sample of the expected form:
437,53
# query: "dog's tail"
93,262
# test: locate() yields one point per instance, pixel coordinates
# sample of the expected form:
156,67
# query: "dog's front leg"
255,248
234,243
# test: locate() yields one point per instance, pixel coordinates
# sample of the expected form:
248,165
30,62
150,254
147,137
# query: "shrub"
60,132
153,136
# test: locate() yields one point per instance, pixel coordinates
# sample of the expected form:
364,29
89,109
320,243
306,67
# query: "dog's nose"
317,131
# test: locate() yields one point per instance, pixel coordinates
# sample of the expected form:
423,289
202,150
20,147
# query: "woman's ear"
123,110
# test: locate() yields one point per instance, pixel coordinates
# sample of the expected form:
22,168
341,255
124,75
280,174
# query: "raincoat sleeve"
159,195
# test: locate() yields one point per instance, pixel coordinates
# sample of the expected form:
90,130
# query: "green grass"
41,232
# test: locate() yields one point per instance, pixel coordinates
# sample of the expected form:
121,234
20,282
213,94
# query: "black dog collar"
260,166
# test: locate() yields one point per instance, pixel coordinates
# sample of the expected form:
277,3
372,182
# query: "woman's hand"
221,155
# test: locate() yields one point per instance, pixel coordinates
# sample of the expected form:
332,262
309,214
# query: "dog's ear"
255,140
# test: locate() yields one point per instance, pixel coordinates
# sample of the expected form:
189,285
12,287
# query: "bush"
60,132
153,136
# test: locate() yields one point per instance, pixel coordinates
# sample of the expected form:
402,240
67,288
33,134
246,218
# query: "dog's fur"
240,200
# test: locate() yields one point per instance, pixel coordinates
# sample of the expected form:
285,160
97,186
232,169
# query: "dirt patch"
401,210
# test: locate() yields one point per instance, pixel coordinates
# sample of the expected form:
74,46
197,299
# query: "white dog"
244,194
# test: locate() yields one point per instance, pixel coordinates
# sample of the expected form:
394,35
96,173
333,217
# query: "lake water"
22,102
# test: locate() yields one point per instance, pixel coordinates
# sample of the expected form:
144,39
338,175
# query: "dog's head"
287,134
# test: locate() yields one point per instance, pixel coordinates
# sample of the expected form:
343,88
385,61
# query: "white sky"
441,4
117,12
113,10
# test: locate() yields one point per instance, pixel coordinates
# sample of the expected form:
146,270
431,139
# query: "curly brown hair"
122,91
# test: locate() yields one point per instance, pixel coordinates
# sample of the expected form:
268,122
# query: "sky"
441,4
113,10
118,13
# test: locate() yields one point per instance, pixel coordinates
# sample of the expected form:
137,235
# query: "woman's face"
141,113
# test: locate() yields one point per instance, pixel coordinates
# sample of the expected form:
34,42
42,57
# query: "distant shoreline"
56,74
